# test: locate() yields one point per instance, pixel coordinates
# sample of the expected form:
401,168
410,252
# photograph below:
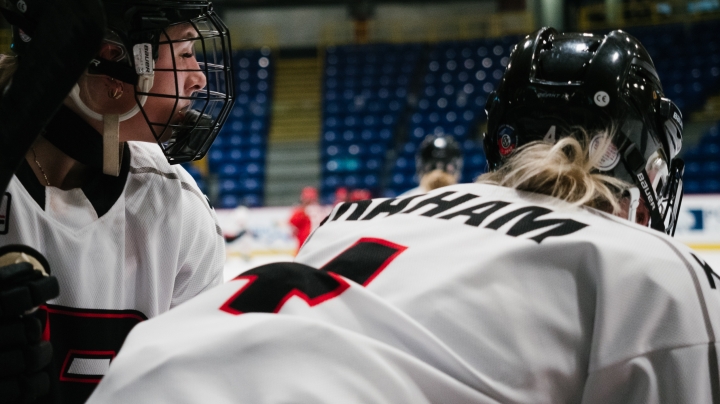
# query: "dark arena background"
338,95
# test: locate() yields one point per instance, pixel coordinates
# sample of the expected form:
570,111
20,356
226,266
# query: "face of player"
176,59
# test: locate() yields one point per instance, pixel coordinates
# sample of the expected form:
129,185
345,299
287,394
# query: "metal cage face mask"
200,53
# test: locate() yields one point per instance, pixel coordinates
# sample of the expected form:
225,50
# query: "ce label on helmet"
602,99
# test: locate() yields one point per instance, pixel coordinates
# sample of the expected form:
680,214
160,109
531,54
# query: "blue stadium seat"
692,170
711,186
229,201
710,152
692,187
228,186
252,200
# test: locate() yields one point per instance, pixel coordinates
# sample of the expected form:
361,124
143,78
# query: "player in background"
128,233
438,162
300,220
534,285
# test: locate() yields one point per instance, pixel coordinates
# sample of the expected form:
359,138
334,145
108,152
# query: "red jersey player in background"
552,279
300,220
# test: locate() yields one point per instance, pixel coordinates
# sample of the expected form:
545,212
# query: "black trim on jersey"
712,350
708,271
100,189
104,190
31,184
5,220
153,170
83,334
98,312
75,137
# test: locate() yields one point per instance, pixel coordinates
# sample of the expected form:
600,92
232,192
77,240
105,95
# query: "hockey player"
438,163
300,221
128,235
530,286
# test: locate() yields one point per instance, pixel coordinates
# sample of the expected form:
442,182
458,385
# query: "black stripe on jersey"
153,170
100,189
708,271
31,184
82,334
104,190
5,216
712,351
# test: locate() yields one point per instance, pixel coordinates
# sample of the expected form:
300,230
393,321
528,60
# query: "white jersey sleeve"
184,230
202,258
468,294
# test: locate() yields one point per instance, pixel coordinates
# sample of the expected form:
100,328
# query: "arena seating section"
688,62
457,78
687,59
365,94
381,100
453,80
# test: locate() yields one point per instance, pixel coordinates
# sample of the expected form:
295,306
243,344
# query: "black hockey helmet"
139,27
555,82
439,152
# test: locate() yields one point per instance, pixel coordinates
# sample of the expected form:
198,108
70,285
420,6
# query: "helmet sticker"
602,99
144,63
506,139
611,157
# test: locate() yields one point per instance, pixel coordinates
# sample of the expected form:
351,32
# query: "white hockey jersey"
123,250
469,294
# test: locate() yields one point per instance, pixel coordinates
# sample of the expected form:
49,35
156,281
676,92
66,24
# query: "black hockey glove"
24,357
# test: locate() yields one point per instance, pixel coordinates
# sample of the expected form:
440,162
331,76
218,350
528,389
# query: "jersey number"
270,286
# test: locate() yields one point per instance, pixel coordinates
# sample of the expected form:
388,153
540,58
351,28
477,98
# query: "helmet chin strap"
112,147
